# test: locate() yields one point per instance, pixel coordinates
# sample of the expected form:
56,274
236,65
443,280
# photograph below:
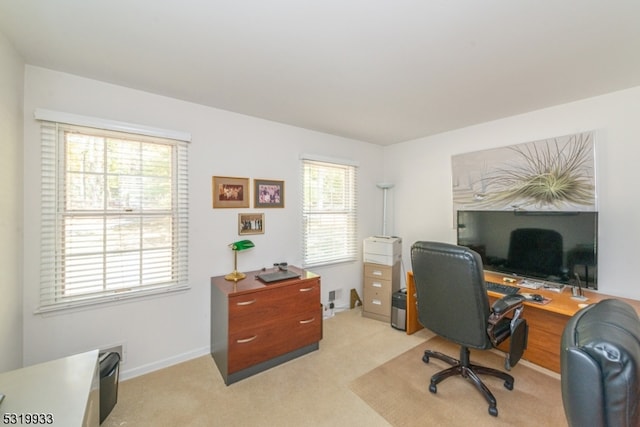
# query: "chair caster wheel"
433,389
493,411
425,358
508,385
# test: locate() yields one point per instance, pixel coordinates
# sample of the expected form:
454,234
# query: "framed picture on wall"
229,192
268,193
250,223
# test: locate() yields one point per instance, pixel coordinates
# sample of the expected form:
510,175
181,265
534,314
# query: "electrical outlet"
332,295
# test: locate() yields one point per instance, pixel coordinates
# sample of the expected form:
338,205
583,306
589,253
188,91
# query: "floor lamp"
385,186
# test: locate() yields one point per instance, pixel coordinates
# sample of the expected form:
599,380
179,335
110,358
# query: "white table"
62,392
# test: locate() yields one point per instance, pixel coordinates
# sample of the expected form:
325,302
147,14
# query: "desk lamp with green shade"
236,247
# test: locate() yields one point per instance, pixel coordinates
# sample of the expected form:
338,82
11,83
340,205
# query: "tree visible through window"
114,215
329,212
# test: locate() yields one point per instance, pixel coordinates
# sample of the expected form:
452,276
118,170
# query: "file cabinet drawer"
382,272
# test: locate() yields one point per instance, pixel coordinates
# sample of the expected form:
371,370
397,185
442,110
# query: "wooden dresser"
255,326
380,282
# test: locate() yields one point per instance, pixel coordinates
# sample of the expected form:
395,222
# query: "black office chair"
599,358
452,301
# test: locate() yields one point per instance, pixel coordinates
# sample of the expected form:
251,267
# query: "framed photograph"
268,193
230,192
250,223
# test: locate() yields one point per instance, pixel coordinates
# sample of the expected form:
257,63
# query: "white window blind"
329,212
114,215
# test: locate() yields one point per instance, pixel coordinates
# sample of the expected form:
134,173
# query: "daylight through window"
329,212
114,215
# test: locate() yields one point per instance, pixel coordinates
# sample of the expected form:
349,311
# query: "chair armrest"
506,303
499,325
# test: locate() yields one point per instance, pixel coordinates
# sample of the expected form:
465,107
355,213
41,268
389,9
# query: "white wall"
164,330
11,91
421,170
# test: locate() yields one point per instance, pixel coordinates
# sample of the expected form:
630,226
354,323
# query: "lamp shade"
241,245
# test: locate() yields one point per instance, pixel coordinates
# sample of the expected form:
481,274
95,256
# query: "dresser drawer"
377,271
253,309
264,342
247,348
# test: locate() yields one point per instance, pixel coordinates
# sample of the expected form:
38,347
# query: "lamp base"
235,275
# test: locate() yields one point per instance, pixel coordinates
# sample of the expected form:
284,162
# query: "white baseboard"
164,363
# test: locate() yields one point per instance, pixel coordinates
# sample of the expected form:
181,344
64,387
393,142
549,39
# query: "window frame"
53,209
348,226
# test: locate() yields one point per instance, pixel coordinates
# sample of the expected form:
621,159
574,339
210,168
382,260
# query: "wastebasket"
399,310
109,375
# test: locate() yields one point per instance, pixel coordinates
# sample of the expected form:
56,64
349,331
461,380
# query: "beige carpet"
399,391
310,391
317,390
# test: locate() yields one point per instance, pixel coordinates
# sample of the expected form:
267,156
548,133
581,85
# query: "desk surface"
561,302
66,388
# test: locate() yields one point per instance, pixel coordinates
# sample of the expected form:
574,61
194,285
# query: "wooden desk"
546,321
255,326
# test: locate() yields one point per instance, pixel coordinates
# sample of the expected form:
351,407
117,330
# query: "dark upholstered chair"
452,301
599,361
535,250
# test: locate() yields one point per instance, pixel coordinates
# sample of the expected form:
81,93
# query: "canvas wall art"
552,174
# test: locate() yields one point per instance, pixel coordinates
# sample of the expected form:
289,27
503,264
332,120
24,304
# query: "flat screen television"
559,247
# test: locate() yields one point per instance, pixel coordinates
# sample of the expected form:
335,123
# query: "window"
114,215
329,212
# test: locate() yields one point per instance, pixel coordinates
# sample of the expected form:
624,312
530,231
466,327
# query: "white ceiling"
382,71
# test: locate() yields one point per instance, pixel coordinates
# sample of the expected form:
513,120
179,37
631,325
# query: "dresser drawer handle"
376,284
246,302
303,322
306,289
246,340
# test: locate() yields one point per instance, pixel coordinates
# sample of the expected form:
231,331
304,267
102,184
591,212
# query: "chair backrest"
450,292
600,354
535,250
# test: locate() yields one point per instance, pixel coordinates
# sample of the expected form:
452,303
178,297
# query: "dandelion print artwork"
552,174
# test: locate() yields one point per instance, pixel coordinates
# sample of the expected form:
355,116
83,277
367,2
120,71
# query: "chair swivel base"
467,370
